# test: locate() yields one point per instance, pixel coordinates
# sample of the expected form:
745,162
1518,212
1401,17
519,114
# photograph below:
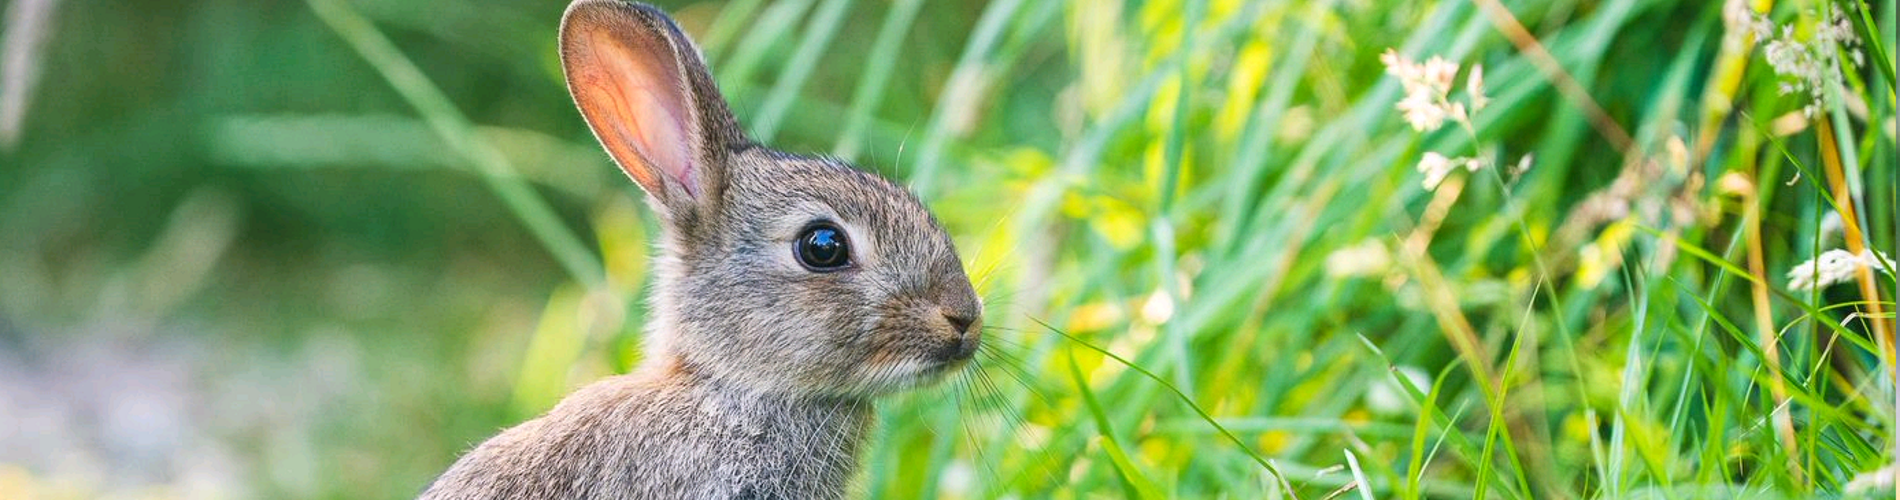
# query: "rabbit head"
776,272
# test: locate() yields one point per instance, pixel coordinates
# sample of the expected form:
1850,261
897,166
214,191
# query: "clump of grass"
1578,311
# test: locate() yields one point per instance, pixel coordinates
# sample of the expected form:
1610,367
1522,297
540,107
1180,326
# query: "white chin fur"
907,374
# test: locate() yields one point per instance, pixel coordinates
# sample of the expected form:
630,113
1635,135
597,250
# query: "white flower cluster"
1809,68
1834,266
1427,106
1739,19
1427,103
1436,166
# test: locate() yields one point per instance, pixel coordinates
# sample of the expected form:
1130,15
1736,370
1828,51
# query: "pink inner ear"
633,97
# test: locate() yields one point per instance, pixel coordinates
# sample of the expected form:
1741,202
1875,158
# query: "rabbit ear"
642,88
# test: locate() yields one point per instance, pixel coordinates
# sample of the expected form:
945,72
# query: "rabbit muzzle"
967,337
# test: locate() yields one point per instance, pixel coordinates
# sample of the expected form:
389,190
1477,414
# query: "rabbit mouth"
918,373
943,368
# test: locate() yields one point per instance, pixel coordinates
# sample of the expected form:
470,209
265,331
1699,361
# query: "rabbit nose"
961,348
968,337
960,322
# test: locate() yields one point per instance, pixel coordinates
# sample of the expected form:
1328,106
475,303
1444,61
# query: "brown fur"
760,373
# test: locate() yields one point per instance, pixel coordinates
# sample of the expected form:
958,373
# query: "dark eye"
822,247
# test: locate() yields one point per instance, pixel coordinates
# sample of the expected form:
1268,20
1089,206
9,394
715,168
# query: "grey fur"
759,374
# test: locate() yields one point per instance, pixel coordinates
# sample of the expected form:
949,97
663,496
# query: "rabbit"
790,293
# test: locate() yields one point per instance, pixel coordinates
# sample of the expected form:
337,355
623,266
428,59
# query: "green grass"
1148,195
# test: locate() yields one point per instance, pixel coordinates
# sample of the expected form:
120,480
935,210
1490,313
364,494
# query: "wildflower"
1739,18
1809,68
1427,85
1834,266
1523,165
1437,166
1427,106
1423,111
1434,75
1439,73
1474,88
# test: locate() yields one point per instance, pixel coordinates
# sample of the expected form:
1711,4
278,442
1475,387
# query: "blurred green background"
282,249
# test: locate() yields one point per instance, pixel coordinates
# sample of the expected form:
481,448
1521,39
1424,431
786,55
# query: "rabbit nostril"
959,322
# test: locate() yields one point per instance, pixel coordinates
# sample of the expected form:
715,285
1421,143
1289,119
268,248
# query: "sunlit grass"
1191,228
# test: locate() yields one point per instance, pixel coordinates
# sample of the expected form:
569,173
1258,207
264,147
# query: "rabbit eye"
822,247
